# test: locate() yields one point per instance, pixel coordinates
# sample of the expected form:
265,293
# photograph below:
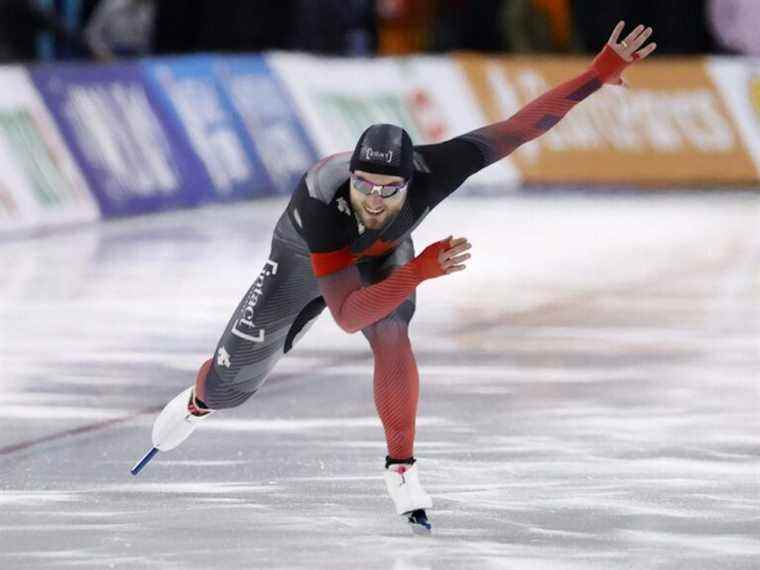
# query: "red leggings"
396,384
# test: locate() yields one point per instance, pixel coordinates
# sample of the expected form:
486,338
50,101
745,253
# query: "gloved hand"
616,56
441,258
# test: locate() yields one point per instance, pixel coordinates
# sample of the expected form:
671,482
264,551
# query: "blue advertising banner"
133,157
191,96
268,116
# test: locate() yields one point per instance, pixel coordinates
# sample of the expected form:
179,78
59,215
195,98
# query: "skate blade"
144,461
420,530
419,523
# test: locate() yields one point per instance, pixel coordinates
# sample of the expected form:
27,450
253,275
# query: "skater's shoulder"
325,178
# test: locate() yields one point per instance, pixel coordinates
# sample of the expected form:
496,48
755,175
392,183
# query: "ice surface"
590,397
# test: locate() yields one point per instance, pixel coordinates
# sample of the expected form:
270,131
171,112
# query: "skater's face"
367,198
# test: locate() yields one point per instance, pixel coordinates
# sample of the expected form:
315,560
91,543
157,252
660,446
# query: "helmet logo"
372,155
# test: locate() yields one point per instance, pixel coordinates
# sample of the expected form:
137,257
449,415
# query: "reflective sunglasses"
383,190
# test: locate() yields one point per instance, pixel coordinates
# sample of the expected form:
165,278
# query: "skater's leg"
396,381
283,299
395,385
256,337
396,391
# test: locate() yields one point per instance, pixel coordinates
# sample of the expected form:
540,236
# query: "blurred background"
45,30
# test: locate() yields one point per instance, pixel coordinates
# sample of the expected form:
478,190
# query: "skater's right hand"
442,258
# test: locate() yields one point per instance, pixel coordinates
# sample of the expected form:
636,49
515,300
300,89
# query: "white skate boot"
177,421
173,425
410,499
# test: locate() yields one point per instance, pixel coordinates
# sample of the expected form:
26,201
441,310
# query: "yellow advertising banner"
670,127
754,90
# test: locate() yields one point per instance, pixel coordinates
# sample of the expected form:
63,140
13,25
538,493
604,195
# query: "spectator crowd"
44,30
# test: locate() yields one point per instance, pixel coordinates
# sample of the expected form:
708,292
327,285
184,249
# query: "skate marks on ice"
588,401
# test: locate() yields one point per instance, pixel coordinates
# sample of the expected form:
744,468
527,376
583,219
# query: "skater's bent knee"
388,331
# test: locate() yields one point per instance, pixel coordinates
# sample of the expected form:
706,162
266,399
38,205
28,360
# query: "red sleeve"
499,139
355,307
331,262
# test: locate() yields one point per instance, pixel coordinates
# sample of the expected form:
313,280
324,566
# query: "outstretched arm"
499,139
355,307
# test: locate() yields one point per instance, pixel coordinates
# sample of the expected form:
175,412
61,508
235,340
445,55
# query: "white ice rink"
590,397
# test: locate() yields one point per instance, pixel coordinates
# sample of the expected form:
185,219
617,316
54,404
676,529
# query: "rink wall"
82,142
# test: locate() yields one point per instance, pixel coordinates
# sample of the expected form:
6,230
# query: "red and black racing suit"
321,256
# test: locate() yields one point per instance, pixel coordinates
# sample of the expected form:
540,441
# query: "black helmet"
384,149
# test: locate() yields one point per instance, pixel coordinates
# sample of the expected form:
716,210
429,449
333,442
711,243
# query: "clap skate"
174,425
410,499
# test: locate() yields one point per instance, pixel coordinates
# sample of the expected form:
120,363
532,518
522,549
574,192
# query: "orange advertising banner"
671,127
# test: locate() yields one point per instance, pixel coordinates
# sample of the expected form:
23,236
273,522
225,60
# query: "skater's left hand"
628,48
619,54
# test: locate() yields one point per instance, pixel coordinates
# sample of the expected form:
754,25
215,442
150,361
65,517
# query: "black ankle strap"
390,461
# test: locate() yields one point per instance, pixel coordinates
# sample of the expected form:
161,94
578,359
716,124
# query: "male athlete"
344,242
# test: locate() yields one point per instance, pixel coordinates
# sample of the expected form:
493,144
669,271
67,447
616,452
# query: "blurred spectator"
234,25
363,27
121,27
735,24
539,26
679,25
177,26
19,24
22,22
405,26
324,26
470,25
337,27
